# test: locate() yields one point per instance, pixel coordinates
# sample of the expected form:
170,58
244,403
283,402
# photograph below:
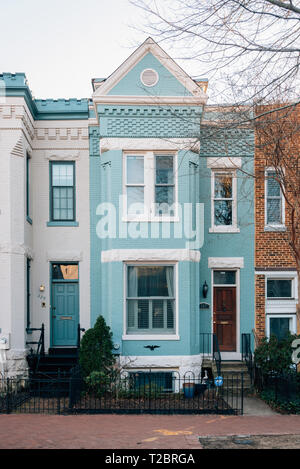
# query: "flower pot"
189,390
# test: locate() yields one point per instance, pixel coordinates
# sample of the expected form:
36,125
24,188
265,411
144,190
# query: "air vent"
149,77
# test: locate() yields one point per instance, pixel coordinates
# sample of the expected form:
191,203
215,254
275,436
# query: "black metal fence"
131,392
281,387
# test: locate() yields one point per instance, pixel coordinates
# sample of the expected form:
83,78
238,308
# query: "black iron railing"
130,392
247,355
79,330
40,350
209,349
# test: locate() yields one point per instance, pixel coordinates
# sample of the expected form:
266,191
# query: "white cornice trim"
151,100
225,262
150,46
121,255
62,155
143,144
224,162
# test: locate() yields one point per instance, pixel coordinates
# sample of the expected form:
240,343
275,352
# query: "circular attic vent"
149,77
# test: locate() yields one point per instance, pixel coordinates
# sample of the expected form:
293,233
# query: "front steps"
231,370
54,365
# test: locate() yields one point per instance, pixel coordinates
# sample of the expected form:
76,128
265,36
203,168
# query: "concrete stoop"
231,374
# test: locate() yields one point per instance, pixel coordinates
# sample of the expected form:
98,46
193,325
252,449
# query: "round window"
149,77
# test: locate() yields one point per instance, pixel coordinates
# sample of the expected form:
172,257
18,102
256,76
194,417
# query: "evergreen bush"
95,353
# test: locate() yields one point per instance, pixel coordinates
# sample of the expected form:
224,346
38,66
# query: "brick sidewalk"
132,431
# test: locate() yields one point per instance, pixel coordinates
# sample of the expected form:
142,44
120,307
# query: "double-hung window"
150,299
62,191
224,204
274,202
150,187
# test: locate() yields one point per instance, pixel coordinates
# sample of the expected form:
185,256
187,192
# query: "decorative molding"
61,133
121,255
18,149
62,155
150,46
225,262
108,144
150,100
60,256
224,162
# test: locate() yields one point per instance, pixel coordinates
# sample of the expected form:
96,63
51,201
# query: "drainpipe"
3,360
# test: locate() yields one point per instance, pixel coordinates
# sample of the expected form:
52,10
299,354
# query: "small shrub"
95,353
275,356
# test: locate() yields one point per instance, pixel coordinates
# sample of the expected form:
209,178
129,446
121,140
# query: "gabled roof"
149,46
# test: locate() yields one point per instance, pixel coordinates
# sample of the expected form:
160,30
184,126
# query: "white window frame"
291,317
149,187
233,228
281,298
273,226
155,337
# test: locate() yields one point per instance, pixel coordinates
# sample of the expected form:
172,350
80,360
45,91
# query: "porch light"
42,288
205,289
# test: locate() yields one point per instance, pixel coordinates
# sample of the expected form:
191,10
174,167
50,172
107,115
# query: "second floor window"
274,200
150,189
62,191
224,204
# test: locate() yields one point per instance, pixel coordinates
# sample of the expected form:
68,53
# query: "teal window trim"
61,222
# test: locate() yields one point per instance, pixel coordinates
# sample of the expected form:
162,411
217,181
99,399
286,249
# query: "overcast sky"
62,44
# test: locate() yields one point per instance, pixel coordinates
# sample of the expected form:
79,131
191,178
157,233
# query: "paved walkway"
134,431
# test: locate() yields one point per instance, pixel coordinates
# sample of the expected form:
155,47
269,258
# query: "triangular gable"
173,81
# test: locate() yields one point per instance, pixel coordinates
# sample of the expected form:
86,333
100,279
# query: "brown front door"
225,317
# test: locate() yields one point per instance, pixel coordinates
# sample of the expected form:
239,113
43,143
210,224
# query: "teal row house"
171,218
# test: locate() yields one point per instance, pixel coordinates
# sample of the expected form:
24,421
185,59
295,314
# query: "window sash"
275,287
228,203
150,314
148,205
62,197
271,217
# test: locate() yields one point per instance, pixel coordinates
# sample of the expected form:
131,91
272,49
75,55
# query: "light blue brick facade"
130,121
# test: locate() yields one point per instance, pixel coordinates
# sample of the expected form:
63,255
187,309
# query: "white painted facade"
43,141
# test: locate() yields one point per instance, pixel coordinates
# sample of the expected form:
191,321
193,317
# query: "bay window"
150,299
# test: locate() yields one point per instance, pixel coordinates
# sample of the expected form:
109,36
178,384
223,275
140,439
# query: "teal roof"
44,109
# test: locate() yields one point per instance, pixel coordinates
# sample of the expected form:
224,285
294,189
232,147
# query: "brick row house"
276,172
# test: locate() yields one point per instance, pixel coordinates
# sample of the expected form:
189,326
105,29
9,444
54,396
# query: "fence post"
8,396
58,391
242,395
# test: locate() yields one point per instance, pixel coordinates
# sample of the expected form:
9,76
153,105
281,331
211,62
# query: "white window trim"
155,337
292,317
149,187
273,226
224,228
281,306
281,298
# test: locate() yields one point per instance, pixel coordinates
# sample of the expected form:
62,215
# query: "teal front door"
65,314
